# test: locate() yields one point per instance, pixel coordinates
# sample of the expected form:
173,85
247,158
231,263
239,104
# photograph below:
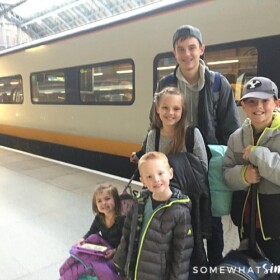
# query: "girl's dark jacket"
163,251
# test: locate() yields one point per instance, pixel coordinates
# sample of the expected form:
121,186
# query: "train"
85,98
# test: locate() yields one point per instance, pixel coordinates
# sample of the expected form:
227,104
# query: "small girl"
105,230
170,117
108,222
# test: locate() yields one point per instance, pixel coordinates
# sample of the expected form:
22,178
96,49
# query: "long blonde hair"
180,131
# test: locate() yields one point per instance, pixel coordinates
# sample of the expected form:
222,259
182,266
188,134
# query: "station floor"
45,207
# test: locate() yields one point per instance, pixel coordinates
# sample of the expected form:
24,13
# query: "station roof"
39,19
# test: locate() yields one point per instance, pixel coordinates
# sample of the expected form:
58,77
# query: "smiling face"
187,53
155,175
170,109
105,202
259,111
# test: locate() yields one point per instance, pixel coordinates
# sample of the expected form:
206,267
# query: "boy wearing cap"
253,157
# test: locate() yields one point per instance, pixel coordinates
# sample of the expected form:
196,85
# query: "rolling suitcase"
249,264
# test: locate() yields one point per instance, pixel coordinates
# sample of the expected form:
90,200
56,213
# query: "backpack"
221,193
190,177
84,265
128,196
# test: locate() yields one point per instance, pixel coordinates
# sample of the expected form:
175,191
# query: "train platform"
45,208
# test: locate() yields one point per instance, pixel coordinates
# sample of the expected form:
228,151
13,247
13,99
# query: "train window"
48,87
107,83
165,65
238,65
11,91
110,83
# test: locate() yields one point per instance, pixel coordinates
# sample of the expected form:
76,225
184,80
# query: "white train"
85,98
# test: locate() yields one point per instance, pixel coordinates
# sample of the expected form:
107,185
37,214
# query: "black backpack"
191,178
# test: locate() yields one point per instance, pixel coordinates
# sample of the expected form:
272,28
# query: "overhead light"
223,62
98,74
166,68
124,71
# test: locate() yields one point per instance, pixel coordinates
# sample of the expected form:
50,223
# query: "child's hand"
247,152
134,158
81,241
110,254
252,174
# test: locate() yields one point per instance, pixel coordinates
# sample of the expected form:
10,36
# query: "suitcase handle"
252,234
128,188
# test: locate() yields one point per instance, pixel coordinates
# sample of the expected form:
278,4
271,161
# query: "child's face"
259,111
105,202
170,109
156,175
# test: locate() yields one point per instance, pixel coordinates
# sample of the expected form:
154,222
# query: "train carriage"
85,98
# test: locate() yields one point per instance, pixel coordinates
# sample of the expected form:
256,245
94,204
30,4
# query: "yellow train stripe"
87,143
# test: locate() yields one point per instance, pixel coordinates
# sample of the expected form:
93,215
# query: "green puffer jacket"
164,249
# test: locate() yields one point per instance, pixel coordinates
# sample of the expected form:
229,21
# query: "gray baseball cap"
185,31
260,87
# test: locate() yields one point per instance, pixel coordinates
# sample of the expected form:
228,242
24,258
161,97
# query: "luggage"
86,264
249,264
238,265
128,196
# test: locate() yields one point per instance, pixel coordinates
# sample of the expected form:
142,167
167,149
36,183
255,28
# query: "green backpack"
221,193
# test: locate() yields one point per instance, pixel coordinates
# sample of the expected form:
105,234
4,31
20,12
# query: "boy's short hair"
260,87
185,31
151,156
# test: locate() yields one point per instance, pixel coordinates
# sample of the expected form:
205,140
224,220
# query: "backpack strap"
170,80
157,139
189,139
216,88
217,82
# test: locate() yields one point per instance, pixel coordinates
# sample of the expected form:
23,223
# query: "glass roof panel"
30,8
25,21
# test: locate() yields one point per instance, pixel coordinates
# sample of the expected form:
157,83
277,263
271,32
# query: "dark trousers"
215,245
271,248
